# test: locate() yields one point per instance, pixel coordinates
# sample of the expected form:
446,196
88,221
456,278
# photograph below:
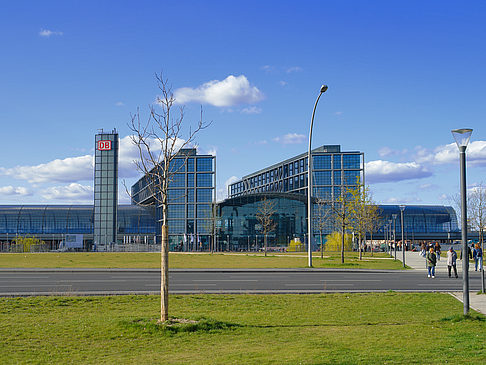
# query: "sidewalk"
417,262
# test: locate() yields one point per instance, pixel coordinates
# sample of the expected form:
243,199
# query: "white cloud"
48,33
290,138
222,194
66,170
293,69
449,153
71,192
268,68
409,200
119,103
251,110
338,113
14,191
380,171
234,90
129,153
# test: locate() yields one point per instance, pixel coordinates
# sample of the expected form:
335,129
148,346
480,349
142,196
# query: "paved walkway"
417,262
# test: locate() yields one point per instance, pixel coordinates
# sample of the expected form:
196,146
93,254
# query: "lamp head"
323,88
394,216
402,207
462,136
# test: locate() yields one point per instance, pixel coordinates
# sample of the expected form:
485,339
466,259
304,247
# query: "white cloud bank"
233,90
14,191
449,153
380,171
48,33
291,138
67,170
73,192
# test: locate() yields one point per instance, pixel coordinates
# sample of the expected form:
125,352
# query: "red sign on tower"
104,145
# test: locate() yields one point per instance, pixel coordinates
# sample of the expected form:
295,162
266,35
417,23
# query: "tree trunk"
359,247
322,254
164,275
371,233
342,245
265,241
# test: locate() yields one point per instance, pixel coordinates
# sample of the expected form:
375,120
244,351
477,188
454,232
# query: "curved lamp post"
309,181
402,208
462,137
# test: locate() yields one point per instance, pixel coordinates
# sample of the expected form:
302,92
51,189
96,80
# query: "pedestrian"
478,257
437,250
451,261
431,262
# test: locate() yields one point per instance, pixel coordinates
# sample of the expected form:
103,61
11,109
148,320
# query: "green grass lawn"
196,260
391,328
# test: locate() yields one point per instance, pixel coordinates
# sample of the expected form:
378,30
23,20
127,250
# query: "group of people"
432,256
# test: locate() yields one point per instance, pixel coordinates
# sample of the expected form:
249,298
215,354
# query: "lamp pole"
394,234
309,180
462,137
402,208
390,237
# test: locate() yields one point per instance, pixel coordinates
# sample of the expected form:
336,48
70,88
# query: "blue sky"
401,75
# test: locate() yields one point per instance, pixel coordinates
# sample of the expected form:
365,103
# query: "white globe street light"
462,137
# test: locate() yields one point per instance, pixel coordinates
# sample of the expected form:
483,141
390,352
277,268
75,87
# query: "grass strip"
145,260
368,328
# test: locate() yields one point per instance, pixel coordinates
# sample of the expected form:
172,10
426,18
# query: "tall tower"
106,188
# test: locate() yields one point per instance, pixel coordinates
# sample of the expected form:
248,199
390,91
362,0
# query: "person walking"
437,250
451,261
478,257
431,262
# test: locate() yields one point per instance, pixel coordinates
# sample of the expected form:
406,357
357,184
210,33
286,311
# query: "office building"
191,196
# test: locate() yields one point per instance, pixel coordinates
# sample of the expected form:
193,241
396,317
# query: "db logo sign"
104,145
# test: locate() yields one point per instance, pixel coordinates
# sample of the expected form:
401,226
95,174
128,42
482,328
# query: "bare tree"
264,215
159,141
322,219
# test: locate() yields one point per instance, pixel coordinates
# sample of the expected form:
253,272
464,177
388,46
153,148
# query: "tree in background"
334,241
340,214
323,217
363,212
159,141
265,212
28,242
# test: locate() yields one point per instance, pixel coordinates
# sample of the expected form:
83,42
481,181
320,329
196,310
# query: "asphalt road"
91,282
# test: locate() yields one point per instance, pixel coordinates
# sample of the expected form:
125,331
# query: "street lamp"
390,236
309,180
402,208
462,137
394,234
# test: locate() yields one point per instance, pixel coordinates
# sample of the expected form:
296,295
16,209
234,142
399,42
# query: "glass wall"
240,228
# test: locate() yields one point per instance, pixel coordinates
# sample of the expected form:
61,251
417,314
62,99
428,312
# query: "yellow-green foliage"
333,242
28,242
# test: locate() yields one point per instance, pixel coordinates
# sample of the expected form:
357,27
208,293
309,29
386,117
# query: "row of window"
299,168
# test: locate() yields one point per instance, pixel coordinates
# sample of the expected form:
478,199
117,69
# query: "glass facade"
239,228
190,196
421,220
332,170
106,188
236,225
50,222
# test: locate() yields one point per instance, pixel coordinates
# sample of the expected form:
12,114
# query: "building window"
204,164
204,180
321,162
